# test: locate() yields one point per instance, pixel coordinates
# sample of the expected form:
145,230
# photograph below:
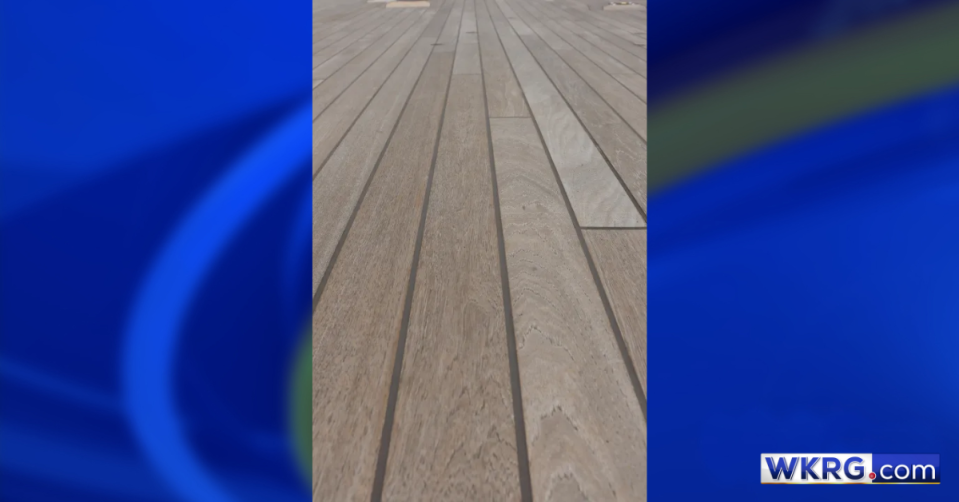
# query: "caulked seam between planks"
519,421
372,98
609,164
379,479
360,73
630,367
359,202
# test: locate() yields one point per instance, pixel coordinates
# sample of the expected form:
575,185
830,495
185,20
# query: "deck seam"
379,479
630,367
519,421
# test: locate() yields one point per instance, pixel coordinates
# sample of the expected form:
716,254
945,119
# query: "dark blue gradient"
154,253
804,295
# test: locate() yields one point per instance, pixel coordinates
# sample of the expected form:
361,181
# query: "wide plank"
453,436
597,197
585,429
357,318
620,257
467,49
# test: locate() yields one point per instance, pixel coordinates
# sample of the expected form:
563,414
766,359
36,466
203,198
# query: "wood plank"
337,187
467,48
600,58
333,123
447,39
635,83
329,67
336,84
357,319
374,25
620,257
453,435
503,94
601,104
596,195
585,429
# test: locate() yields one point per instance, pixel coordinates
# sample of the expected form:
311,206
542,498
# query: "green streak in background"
301,399
759,105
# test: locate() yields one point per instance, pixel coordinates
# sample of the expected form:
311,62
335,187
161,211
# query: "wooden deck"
479,251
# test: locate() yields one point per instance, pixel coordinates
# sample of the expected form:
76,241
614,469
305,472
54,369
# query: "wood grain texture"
337,188
620,258
453,436
356,322
338,82
596,195
624,149
467,49
503,94
332,124
586,433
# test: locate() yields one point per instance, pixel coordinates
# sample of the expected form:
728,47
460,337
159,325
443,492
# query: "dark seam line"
519,422
630,368
366,187
604,30
371,29
613,228
337,34
379,480
358,75
566,41
378,89
598,47
609,164
342,28
616,173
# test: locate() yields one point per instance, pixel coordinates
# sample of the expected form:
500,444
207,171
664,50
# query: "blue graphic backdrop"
154,248
804,291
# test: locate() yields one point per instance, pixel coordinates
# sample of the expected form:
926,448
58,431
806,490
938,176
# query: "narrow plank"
618,139
600,58
352,34
635,83
333,123
503,94
447,39
357,319
326,34
620,257
467,49
337,187
632,62
336,84
372,39
608,39
586,433
596,195
453,436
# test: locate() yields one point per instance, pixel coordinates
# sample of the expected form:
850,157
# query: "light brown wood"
596,195
337,188
331,125
624,149
620,257
453,435
356,322
503,94
585,429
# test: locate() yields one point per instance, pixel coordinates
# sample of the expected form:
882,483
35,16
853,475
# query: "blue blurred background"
154,250
804,241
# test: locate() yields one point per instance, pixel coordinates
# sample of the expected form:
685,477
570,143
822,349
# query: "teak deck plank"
620,257
503,94
357,320
596,195
585,429
337,187
467,48
453,435
333,123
